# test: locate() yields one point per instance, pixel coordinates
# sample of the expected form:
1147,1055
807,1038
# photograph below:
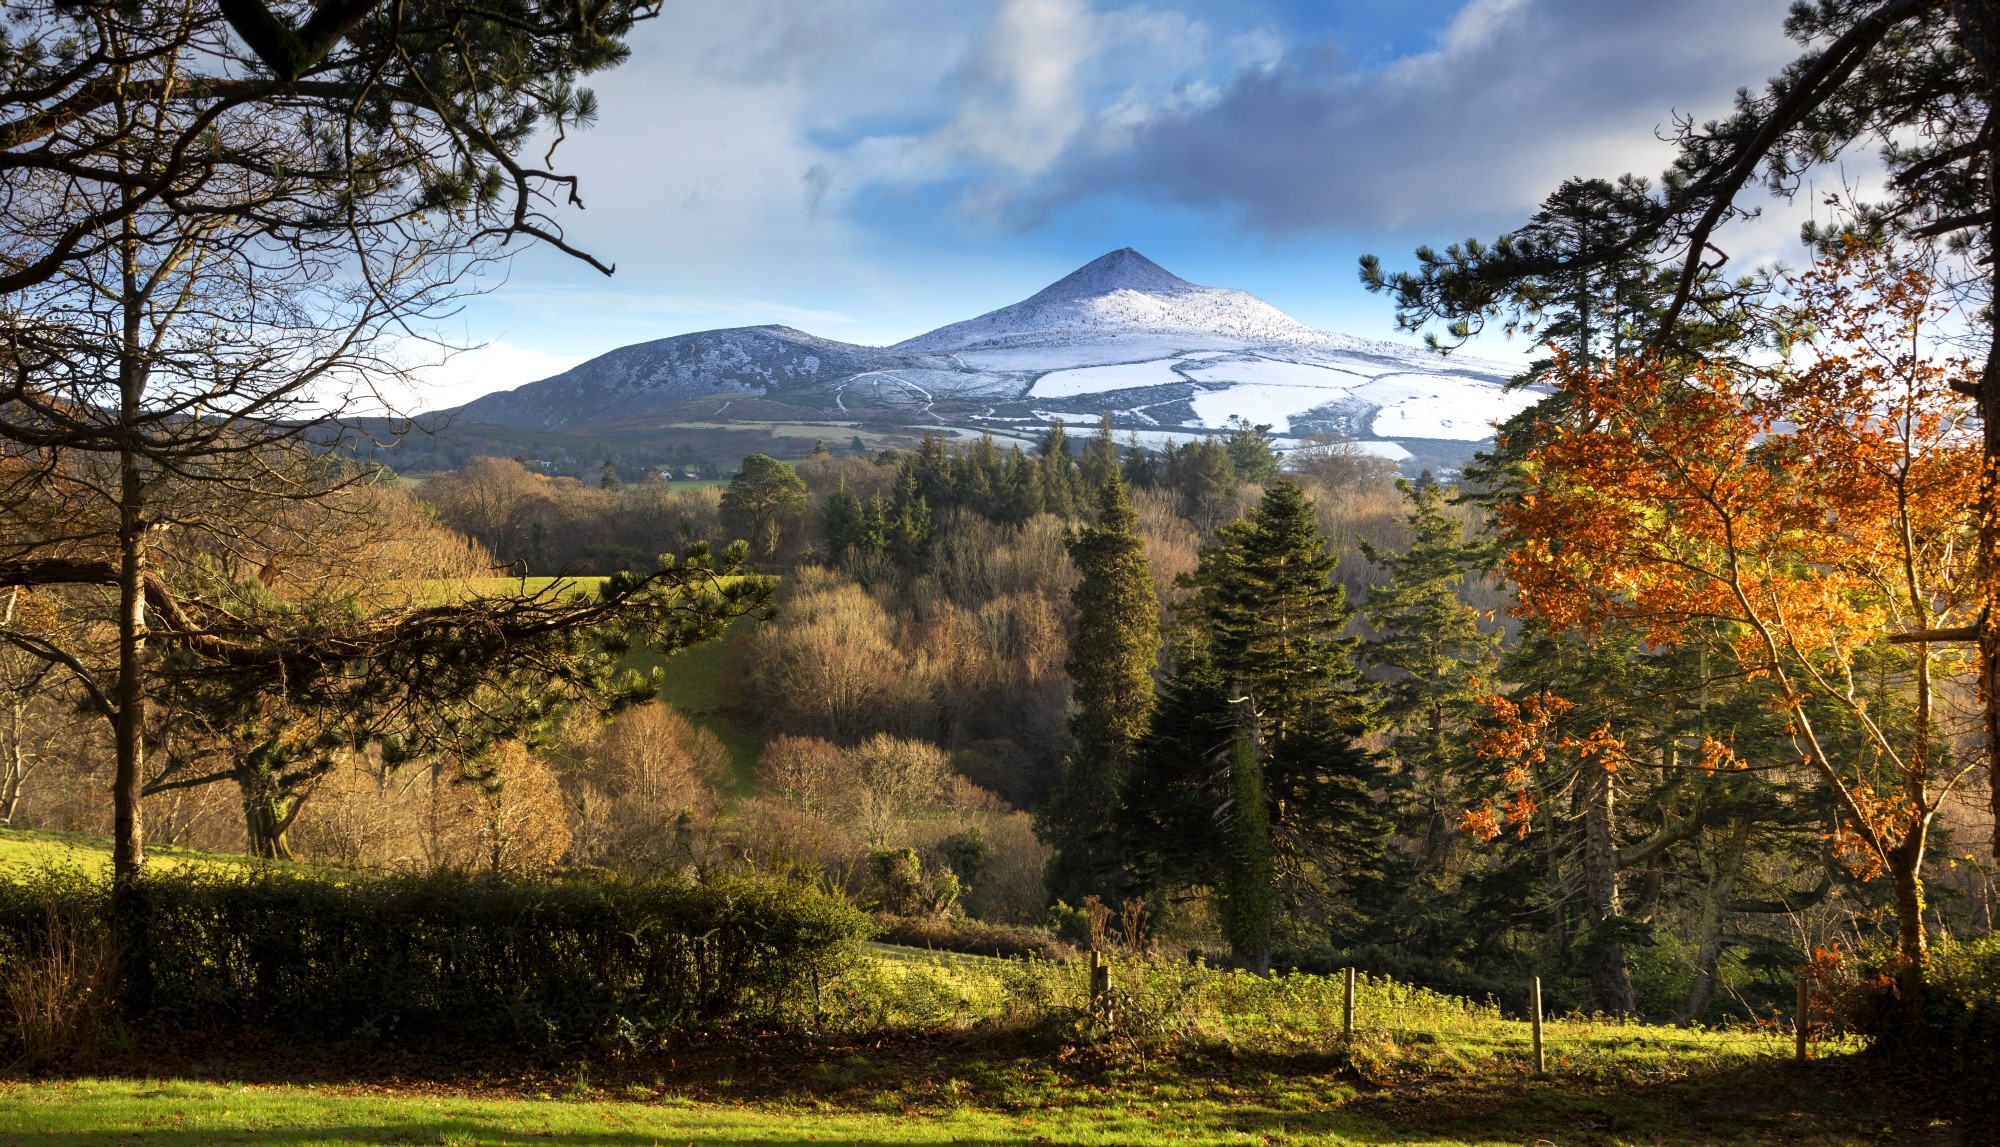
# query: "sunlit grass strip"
1294,1013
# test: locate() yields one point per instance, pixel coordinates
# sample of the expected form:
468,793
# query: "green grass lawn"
947,1052
693,684
23,851
881,1096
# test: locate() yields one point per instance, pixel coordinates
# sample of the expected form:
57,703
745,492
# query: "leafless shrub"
61,987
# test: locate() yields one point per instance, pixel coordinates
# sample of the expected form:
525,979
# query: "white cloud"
449,380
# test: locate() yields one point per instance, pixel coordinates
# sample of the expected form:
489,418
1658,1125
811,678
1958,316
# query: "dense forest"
1284,710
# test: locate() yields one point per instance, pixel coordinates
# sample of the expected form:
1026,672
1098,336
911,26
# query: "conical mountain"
1122,293
1119,336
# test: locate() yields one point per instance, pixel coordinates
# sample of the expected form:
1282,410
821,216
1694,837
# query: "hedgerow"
457,958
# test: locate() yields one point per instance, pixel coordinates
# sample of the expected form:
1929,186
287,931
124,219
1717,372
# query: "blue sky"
869,169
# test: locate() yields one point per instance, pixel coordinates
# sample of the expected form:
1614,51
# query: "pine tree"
840,519
1274,614
1249,894
1111,663
1262,668
1100,456
1201,473
1250,453
1061,488
1140,472
872,537
1020,493
1441,662
908,527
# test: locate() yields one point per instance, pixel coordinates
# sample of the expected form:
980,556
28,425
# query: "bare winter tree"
207,251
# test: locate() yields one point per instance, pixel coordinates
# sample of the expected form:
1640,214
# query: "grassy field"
897,1092
28,850
693,684
923,1048
693,677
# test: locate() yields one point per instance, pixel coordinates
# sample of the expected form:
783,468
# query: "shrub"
1960,1029
59,979
1962,1010
480,959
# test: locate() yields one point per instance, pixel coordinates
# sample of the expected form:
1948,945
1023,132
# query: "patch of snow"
1389,450
1447,408
1121,291
1271,404
1273,372
1097,379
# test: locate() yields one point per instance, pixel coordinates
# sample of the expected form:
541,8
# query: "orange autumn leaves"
1519,737
1790,500
1800,511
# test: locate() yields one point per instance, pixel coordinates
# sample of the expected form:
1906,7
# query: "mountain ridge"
1119,337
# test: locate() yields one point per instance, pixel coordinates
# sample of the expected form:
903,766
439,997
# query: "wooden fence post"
1801,1025
1100,983
1347,1007
1535,1020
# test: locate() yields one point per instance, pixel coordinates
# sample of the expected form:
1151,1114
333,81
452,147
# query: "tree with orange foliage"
1811,513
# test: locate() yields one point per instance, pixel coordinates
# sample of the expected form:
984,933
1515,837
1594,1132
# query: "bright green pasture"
108,1112
692,683
1005,1098
24,851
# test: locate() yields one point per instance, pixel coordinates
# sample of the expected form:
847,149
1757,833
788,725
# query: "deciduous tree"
1818,512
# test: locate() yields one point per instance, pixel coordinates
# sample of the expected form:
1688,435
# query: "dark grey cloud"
1517,95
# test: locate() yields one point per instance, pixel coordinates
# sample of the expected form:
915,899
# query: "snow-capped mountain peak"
1124,294
1120,336
1121,270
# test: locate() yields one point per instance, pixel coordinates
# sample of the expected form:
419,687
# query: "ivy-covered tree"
1111,662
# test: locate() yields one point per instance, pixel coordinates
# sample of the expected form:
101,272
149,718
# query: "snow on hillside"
1119,292
1121,337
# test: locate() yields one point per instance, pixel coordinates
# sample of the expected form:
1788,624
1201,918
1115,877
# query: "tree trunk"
1610,978
130,909
1979,31
16,767
268,811
1724,869
1912,942
1248,896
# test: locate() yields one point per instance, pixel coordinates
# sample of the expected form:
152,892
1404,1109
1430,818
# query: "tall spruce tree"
1440,661
1264,684
1100,455
1111,664
1062,487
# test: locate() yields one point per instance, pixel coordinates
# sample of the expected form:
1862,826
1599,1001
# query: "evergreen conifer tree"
1111,663
1443,663
1140,472
1262,669
1249,893
908,528
1061,488
840,519
1250,453
1100,456
1020,492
